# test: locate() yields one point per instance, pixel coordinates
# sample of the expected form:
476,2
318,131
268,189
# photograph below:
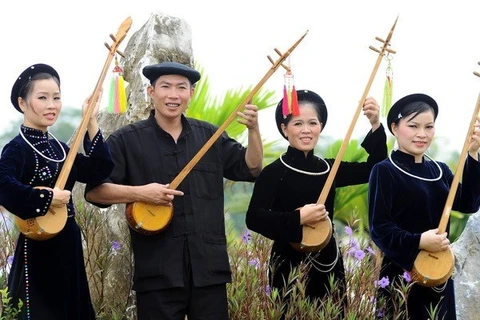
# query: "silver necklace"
417,177
324,268
306,172
38,151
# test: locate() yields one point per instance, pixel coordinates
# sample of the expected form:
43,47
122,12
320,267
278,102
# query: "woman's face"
42,105
302,131
415,133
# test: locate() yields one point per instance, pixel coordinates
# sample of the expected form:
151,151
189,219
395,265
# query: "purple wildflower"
348,230
359,254
268,290
407,276
254,262
115,246
354,244
381,313
10,260
370,249
353,247
246,236
384,282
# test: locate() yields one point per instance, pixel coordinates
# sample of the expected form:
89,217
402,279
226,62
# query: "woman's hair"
304,96
414,108
288,118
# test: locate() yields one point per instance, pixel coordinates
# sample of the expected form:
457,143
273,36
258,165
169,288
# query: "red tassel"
285,110
295,109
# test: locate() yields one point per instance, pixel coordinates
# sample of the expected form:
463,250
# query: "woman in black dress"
48,276
286,192
407,195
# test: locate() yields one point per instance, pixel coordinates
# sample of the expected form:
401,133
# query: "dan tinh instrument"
317,235
150,218
47,226
431,269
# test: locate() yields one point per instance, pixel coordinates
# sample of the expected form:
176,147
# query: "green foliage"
67,123
108,256
350,199
107,261
217,110
7,244
8,311
250,297
8,134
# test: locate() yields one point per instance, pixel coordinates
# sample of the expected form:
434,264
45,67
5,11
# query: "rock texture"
467,269
106,235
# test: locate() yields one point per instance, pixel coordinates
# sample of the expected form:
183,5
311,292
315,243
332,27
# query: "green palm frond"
353,151
350,202
216,110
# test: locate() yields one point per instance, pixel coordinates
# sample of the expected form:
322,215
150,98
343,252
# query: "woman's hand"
313,213
60,197
371,110
475,140
92,126
86,102
434,242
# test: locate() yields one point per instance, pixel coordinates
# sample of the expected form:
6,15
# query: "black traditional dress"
279,191
48,276
192,249
402,207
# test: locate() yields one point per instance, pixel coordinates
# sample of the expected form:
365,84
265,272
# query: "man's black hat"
153,72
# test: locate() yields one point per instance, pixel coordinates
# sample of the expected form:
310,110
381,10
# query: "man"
183,270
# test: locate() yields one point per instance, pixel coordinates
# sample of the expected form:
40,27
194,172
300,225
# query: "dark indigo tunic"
279,191
144,153
401,208
57,281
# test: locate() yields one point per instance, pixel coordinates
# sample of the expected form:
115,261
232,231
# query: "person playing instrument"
48,276
286,192
182,270
407,194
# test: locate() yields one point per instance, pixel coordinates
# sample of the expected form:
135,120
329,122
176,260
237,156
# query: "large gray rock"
108,256
467,268
161,38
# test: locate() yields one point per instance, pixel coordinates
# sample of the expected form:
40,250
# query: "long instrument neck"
82,129
442,227
331,176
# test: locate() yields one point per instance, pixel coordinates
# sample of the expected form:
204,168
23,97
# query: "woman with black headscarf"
285,194
407,194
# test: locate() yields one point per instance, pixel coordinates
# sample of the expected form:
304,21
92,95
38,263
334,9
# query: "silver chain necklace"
417,177
38,151
306,172
325,268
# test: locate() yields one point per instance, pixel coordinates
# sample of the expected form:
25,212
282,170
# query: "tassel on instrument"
387,89
290,99
117,102
285,108
295,110
387,96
